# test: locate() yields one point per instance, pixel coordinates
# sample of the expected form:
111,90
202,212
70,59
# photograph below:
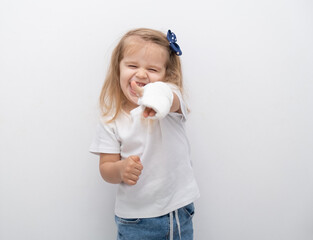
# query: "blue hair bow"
171,37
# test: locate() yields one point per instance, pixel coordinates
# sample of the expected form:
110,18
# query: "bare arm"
115,170
109,166
176,104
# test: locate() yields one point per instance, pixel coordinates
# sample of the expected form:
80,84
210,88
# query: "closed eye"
152,70
132,66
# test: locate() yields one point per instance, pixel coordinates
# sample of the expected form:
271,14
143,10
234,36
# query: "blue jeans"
157,228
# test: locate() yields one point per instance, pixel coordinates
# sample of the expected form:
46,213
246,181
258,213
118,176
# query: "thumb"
136,88
135,158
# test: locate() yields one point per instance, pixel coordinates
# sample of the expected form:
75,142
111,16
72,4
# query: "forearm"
114,170
110,172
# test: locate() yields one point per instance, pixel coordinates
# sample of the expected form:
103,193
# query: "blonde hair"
112,98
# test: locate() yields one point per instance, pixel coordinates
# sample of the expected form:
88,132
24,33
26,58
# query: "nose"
141,73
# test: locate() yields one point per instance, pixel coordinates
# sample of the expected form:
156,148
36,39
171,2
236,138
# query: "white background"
248,69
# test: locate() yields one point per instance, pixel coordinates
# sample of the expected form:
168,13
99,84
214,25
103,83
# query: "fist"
131,170
148,112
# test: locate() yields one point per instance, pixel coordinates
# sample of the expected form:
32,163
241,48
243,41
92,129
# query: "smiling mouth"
140,84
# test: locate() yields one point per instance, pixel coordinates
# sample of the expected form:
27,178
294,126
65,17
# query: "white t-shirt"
167,181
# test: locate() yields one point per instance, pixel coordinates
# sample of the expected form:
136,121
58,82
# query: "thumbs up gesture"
148,112
156,99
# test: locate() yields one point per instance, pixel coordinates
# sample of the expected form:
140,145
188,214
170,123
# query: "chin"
133,100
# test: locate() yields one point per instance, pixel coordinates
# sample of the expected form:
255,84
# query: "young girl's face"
143,62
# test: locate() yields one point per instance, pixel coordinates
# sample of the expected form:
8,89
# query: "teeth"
141,84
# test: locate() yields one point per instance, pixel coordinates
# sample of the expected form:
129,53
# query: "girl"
141,139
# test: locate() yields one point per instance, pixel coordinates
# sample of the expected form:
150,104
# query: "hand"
148,112
131,170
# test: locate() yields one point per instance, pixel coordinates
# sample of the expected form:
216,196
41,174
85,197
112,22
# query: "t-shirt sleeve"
105,140
183,105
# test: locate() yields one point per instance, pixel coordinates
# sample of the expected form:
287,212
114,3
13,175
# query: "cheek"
125,75
123,78
157,77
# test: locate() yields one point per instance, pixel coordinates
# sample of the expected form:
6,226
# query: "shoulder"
173,86
120,123
106,124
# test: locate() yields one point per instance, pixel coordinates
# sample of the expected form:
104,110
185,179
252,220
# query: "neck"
128,107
